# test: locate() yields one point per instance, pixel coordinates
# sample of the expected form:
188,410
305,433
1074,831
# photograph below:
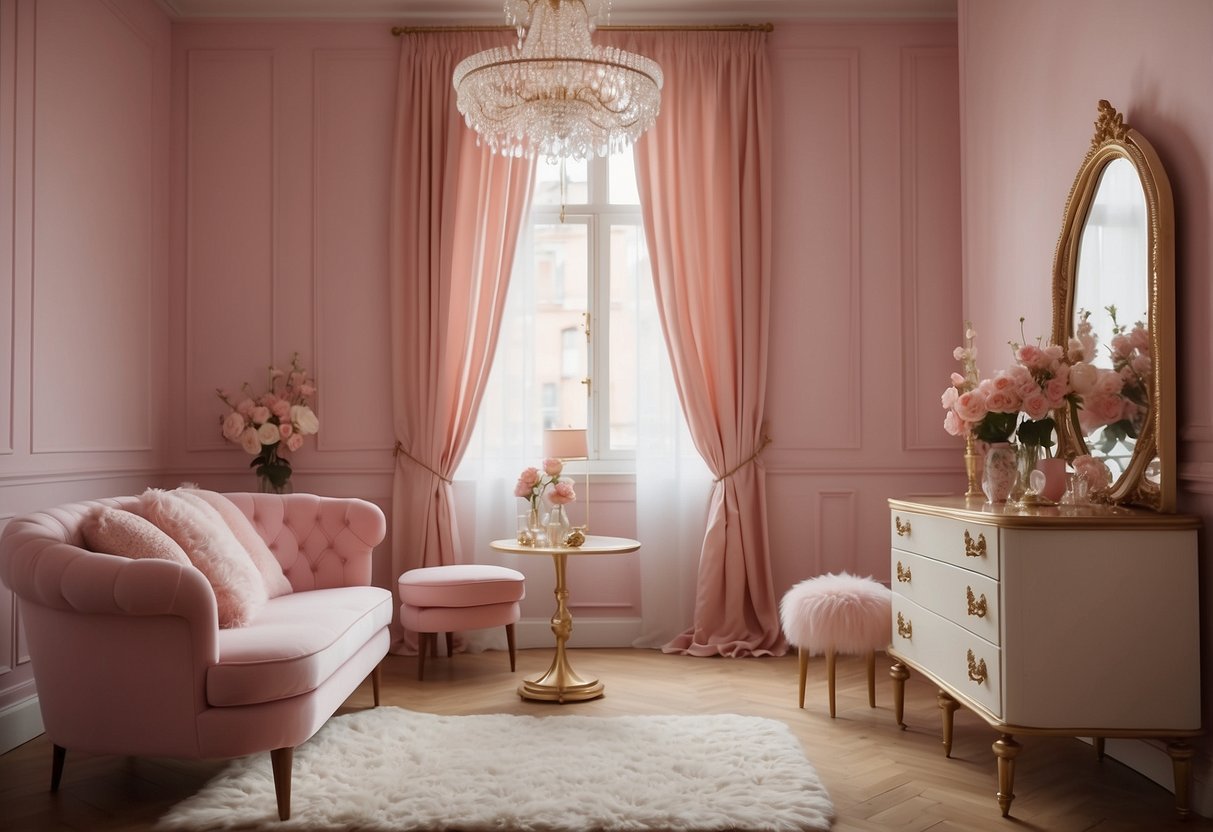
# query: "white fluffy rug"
392,769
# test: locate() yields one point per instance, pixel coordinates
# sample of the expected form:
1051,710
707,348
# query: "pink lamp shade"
565,443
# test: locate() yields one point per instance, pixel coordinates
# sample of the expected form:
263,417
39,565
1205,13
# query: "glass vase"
1026,457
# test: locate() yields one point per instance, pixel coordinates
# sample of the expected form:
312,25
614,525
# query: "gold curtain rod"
723,27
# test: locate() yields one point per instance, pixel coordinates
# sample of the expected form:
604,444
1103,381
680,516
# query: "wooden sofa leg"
450,645
423,646
509,640
376,678
281,760
58,754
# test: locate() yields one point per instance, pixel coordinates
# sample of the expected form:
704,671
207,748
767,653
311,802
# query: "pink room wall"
1032,73
281,158
83,267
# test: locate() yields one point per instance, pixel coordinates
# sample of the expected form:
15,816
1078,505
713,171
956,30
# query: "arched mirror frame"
1115,140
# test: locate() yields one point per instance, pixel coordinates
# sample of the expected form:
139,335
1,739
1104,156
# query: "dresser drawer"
968,664
967,545
959,595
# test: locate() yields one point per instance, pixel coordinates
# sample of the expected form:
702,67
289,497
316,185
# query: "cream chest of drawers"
1080,621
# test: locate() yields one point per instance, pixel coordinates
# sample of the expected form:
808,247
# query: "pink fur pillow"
271,570
113,531
210,546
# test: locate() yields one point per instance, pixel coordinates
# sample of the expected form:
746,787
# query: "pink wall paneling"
353,123
815,297
931,320
230,280
95,137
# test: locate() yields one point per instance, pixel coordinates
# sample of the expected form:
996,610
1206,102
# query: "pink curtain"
705,191
456,214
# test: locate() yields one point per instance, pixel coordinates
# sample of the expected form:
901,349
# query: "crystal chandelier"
556,94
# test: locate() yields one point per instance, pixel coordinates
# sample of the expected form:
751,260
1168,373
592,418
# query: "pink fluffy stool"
833,614
464,596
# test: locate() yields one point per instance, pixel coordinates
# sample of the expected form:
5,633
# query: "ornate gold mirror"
1114,304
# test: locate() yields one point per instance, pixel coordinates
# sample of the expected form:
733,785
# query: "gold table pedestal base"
547,689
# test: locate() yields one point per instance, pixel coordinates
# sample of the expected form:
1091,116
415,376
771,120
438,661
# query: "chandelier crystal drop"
556,94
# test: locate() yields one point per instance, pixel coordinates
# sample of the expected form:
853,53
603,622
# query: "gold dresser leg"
1006,749
947,707
899,674
1181,761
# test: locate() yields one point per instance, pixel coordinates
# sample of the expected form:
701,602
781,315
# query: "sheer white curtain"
672,481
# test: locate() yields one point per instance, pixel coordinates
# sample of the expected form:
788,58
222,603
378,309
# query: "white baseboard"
19,724
587,632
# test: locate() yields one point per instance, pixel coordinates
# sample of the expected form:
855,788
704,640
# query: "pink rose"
1093,471
249,441
260,415
295,442
1076,351
233,426
971,406
282,409
1083,377
561,493
1109,382
1121,346
1003,401
1030,356
1036,405
245,407
552,466
1054,354
521,489
530,476
285,430
954,425
949,397
269,400
1141,364
1056,390
1105,407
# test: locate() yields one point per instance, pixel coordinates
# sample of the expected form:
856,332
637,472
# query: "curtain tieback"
766,440
399,451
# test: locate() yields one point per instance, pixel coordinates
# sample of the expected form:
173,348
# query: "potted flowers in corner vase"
269,424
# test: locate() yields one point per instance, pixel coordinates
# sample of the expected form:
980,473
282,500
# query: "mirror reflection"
1111,297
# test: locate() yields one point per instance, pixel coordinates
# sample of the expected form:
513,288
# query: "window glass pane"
547,182
622,172
629,287
560,258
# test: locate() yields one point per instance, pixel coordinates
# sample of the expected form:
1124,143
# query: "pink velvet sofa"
128,657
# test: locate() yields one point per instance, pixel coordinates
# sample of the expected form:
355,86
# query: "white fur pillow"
210,546
113,531
275,582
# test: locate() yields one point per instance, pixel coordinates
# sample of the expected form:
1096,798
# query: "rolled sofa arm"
321,542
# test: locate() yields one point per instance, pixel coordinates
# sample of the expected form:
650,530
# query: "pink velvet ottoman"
450,599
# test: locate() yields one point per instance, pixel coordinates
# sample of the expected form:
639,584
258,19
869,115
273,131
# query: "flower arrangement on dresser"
268,424
1018,404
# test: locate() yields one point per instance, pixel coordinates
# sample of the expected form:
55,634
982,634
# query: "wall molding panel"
8,217
930,180
230,230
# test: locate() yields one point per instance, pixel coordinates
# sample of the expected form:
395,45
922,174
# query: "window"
582,267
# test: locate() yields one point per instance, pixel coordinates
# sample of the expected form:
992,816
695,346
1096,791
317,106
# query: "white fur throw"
271,570
846,612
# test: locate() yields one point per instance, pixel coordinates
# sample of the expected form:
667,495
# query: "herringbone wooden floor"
879,777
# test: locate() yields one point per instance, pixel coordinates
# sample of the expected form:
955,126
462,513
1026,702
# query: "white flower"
304,419
268,434
250,442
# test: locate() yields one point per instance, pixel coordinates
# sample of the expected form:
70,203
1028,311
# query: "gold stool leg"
803,655
830,676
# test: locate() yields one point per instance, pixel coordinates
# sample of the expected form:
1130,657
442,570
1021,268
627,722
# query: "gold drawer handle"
903,574
905,629
975,549
977,606
903,529
977,669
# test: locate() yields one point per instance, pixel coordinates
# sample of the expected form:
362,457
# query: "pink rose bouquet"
533,484
273,422
1116,399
